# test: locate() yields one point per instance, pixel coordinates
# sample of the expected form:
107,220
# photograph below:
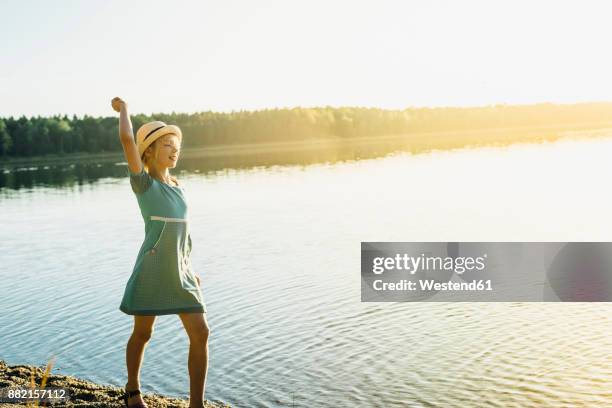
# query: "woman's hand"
198,279
116,104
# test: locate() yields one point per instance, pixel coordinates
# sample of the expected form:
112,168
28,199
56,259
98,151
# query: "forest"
39,136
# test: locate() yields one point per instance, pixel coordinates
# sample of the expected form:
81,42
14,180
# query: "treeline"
64,135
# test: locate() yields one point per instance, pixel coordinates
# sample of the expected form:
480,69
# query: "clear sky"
185,56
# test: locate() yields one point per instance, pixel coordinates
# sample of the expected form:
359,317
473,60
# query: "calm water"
278,250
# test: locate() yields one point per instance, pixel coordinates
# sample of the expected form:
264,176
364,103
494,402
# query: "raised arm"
126,135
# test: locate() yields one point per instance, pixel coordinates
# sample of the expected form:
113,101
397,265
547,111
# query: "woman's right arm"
126,135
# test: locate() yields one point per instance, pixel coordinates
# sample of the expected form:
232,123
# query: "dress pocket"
155,246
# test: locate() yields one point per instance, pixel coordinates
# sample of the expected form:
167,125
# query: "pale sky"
72,57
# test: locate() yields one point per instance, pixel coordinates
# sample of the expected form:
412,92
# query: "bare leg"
197,329
143,330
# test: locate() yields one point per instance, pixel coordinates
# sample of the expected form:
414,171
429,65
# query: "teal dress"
162,280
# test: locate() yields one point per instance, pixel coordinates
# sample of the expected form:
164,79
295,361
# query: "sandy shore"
82,393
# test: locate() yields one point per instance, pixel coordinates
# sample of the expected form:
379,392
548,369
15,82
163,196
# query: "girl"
162,280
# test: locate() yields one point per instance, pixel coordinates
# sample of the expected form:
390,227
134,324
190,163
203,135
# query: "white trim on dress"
157,218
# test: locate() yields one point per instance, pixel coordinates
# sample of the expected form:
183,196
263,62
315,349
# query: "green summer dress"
162,280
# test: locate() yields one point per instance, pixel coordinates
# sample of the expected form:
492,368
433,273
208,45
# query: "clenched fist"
116,103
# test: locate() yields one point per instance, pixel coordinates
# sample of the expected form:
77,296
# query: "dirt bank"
82,393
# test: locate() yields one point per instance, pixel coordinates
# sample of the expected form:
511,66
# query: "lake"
277,244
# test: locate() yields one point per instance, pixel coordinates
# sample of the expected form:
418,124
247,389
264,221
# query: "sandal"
130,394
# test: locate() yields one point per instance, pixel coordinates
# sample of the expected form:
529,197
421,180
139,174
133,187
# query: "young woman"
162,280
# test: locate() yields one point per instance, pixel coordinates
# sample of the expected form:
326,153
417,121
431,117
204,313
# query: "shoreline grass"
82,393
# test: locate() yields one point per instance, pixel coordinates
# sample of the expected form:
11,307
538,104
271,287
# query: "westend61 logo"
428,263
407,264
486,271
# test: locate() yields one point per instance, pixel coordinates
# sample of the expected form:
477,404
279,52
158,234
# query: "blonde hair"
145,162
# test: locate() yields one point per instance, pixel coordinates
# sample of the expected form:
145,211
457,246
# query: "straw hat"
150,132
